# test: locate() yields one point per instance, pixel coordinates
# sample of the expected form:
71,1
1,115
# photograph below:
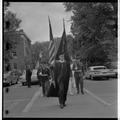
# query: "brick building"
21,53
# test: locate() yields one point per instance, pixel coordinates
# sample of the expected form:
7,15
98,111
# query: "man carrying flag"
61,70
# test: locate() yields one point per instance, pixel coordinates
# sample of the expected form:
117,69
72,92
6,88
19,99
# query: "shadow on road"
102,79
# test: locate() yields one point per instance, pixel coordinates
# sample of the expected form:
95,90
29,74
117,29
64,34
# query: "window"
15,66
14,54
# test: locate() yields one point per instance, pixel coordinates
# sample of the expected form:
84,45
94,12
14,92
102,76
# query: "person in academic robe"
61,76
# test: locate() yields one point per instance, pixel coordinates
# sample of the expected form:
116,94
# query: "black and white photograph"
60,60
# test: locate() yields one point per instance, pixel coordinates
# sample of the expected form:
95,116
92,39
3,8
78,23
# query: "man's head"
61,57
28,66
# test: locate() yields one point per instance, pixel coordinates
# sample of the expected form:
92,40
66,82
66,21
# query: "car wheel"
91,77
16,81
116,75
23,84
86,77
10,83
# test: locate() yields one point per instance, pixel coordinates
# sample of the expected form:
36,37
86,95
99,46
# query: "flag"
51,45
63,45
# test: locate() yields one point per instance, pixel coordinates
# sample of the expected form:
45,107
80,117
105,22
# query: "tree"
70,40
38,48
93,27
11,22
11,25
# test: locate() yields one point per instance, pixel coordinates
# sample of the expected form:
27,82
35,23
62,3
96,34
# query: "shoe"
82,92
71,93
61,106
64,104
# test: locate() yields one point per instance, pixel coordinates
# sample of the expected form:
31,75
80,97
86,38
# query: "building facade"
21,53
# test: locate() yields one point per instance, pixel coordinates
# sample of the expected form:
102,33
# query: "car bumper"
104,75
5,84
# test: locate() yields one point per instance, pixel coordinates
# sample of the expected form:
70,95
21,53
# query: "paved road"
100,100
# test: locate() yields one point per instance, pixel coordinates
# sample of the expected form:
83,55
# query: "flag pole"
48,18
63,24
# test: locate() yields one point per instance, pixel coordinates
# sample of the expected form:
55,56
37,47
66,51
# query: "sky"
34,16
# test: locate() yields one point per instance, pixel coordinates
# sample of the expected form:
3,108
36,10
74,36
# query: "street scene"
60,60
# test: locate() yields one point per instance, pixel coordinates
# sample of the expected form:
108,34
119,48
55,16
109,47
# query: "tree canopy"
94,27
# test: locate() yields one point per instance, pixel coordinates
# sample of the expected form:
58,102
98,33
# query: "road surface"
99,101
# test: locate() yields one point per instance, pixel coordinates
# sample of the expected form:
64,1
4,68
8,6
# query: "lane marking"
15,100
29,105
97,98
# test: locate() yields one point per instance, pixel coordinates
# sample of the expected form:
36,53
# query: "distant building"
21,54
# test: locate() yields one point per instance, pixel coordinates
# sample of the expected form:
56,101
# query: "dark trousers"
63,88
79,81
29,83
39,80
43,80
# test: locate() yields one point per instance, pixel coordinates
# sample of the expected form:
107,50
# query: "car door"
13,78
88,73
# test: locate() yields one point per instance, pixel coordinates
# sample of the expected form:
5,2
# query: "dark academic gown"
61,77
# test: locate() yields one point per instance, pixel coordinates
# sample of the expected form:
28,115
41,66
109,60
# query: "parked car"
100,72
34,79
116,72
10,78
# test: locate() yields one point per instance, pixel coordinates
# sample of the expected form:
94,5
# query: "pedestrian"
71,79
28,75
44,77
39,74
61,76
79,76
